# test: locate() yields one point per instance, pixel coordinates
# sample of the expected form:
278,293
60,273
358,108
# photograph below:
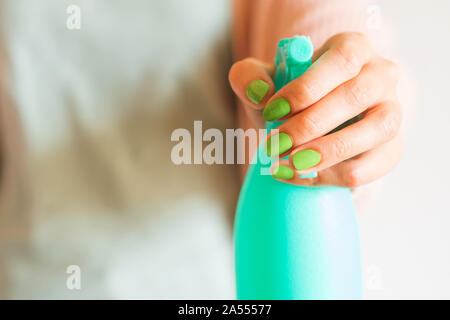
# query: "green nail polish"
277,109
277,144
257,90
283,172
306,159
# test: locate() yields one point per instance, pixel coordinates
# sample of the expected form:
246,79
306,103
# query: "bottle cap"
295,50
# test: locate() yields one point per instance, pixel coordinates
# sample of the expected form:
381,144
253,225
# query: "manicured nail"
305,159
283,172
257,90
277,144
277,109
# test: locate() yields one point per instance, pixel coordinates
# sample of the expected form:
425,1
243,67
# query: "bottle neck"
270,125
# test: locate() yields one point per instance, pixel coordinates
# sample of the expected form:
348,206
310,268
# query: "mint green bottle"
294,242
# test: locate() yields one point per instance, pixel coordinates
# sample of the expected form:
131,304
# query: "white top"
98,106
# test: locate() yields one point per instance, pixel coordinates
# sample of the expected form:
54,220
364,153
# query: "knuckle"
309,125
351,52
352,177
357,93
348,59
352,49
390,122
307,94
340,148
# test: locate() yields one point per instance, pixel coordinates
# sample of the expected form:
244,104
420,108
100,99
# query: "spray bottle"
294,242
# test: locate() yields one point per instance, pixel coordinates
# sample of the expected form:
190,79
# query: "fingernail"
283,172
277,109
305,159
257,90
277,144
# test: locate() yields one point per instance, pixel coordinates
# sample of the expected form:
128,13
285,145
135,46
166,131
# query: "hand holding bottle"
348,81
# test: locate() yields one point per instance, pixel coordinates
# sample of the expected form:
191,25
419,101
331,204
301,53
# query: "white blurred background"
405,236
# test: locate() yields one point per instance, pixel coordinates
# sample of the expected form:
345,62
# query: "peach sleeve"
259,24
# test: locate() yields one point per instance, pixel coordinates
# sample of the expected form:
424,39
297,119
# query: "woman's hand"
346,80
